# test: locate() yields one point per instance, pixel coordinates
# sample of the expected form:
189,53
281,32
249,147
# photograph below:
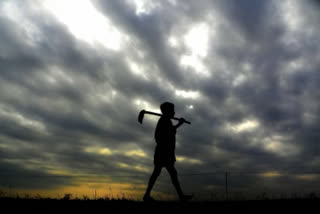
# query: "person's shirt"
165,132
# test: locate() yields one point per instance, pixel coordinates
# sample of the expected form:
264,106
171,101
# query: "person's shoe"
186,197
148,198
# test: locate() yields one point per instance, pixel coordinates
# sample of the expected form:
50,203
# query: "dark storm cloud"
61,96
17,177
249,17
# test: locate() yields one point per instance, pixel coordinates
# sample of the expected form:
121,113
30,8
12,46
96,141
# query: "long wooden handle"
157,114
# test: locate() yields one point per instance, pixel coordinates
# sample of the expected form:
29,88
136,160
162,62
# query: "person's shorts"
164,157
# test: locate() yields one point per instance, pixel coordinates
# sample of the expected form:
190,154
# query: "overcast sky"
76,73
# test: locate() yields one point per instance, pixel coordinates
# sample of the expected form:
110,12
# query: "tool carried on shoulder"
143,112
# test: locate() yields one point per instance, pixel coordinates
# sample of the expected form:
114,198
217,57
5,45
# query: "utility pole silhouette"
226,177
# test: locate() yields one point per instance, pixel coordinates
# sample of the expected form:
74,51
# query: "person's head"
167,109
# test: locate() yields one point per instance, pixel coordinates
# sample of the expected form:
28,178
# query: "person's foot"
186,197
148,198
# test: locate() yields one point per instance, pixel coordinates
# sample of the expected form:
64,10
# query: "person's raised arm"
181,121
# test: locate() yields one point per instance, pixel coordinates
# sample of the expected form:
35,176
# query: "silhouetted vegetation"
70,202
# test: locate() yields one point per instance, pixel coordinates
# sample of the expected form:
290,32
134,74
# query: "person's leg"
152,180
174,178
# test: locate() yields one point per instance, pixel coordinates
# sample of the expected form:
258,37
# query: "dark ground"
92,206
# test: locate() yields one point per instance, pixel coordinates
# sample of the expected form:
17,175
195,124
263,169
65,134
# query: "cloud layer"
245,74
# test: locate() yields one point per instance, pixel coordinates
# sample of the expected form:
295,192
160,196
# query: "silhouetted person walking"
164,155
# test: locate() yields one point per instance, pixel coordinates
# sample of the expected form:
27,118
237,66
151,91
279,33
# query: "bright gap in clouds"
86,23
25,27
196,40
280,145
143,7
291,14
244,126
137,69
187,94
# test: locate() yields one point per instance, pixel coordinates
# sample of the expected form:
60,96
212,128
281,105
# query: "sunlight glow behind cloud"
98,150
188,94
245,126
86,23
144,7
197,42
27,28
197,39
280,146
